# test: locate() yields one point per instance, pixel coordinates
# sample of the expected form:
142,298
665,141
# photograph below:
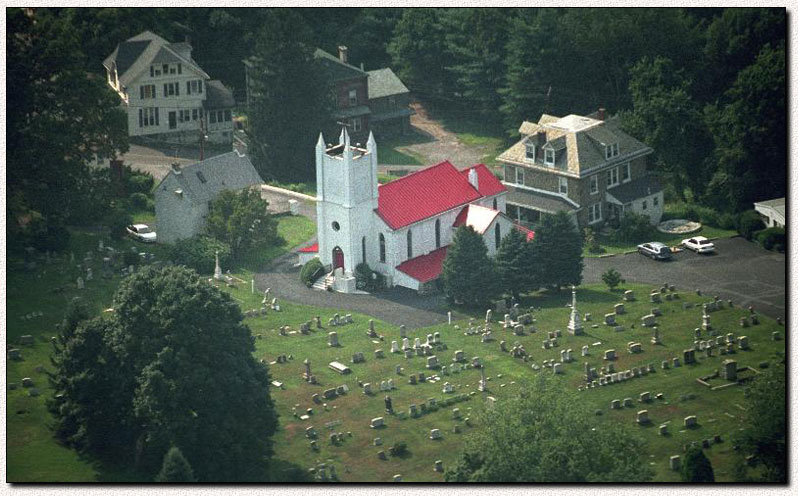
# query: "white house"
183,196
401,229
772,212
167,93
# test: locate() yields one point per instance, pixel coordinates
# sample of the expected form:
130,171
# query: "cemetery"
340,388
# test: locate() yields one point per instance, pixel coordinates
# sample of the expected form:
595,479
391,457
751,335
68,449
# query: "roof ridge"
415,172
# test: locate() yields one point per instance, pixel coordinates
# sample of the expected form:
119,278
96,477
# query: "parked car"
141,232
655,250
699,244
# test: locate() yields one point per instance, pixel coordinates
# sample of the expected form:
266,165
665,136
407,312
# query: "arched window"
409,243
382,248
498,235
437,233
495,204
363,248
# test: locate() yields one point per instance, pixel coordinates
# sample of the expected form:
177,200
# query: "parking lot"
738,270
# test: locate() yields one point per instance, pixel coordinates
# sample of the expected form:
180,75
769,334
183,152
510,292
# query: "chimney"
601,113
343,54
473,178
176,168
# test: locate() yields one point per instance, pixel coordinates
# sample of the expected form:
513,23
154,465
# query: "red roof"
426,267
488,183
530,234
314,248
476,216
423,194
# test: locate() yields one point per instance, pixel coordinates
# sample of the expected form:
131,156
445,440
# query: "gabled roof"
478,217
489,184
426,267
422,194
202,181
383,82
133,56
218,96
337,69
583,138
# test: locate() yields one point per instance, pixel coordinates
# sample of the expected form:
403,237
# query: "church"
401,229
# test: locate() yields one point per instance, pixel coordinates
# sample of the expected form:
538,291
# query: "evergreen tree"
468,273
612,278
547,434
557,251
175,468
291,98
696,466
513,264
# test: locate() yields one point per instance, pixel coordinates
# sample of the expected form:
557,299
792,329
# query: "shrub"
130,258
634,228
310,271
399,449
591,240
199,253
137,182
117,220
771,237
50,236
727,221
139,201
612,278
749,223
368,280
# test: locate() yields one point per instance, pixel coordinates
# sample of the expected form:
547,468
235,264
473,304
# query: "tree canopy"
557,251
514,264
175,468
240,220
546,434
468,273
172,366
696,466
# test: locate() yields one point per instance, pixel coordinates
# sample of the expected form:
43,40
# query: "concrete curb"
287,192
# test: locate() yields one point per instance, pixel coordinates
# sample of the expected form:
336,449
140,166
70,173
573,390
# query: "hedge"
199,253
310,271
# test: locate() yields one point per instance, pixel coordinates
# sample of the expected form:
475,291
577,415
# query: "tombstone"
754,319
655,297
635,348
27,382
649,320
448,388
645,397
688,356
432,362
395,347
706,323
690,421
775,336
488,316
459,356
609,319
377,422
367,388
80,283
413,411
609,354
663,429
330,394
742,342
557,368
642,417
409,353
728,370
435,434
619,309
676,463
615,405
379,353
655,339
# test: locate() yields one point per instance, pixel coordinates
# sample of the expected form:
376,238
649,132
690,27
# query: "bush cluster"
368,280
199,253
699,213
749,223
634,227
772,238
310,271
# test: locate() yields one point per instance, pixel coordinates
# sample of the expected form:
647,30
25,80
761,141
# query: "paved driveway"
739,270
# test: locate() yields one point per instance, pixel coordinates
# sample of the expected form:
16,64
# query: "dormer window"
353,97
530,152
611,150
549,157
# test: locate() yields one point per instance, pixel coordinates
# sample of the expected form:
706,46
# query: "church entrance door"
338,258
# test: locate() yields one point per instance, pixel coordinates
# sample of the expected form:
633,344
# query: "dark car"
655,250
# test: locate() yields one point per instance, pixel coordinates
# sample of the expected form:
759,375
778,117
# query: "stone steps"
322,283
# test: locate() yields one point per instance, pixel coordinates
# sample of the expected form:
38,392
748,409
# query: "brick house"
586,166
166,93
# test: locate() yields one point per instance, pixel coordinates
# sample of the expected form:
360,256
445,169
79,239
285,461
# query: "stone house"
586,166
183,196
401,229
166,94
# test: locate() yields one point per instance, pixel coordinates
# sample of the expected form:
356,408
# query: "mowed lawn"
611,246
34,456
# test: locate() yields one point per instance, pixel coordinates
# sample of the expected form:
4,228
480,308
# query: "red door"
338,258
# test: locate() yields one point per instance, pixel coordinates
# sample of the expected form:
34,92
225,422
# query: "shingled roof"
337,69
135,55
218,95
202,181
383,82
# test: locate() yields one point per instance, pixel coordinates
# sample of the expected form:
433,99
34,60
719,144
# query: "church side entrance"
338,258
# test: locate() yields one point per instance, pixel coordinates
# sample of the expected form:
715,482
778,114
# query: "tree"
696,466
557,251
171,366
666,118
468,273
240,220
765,430
175,468
289,86
547,434
612,278
513,264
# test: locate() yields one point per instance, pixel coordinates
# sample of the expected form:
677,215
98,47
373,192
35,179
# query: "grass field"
611,246
34,456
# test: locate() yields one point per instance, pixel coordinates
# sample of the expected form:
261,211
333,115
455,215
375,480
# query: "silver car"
141,232
655,250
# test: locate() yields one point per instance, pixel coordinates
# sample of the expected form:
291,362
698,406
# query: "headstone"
619,309
332,339
676,362
616,404
367,388
655,339
676,463
655,297
395,347
574,322
775,336
379,353
645,397
406,344
728,370
377,422
690,421
642,417
432,362
649,320
627,402
629,295
557,368
438,466
402,331
413,411
435,434
609,319
27,382
397,478
663,430
742,342
459,356
688,356
448,388
634,347
80,283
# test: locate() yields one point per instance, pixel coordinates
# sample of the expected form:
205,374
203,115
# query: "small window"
611,151
199,85
530,152
201,177
612,177
409,244
228,116
519,175
352,97
179,68
336,226
563,185
172,70
382,248
438,232
152,71
166,69
626,172
549,157
594,213
498,233
212,117
363,248
495,204
645,204
157,72
357,124
594,184
655,200
194,114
